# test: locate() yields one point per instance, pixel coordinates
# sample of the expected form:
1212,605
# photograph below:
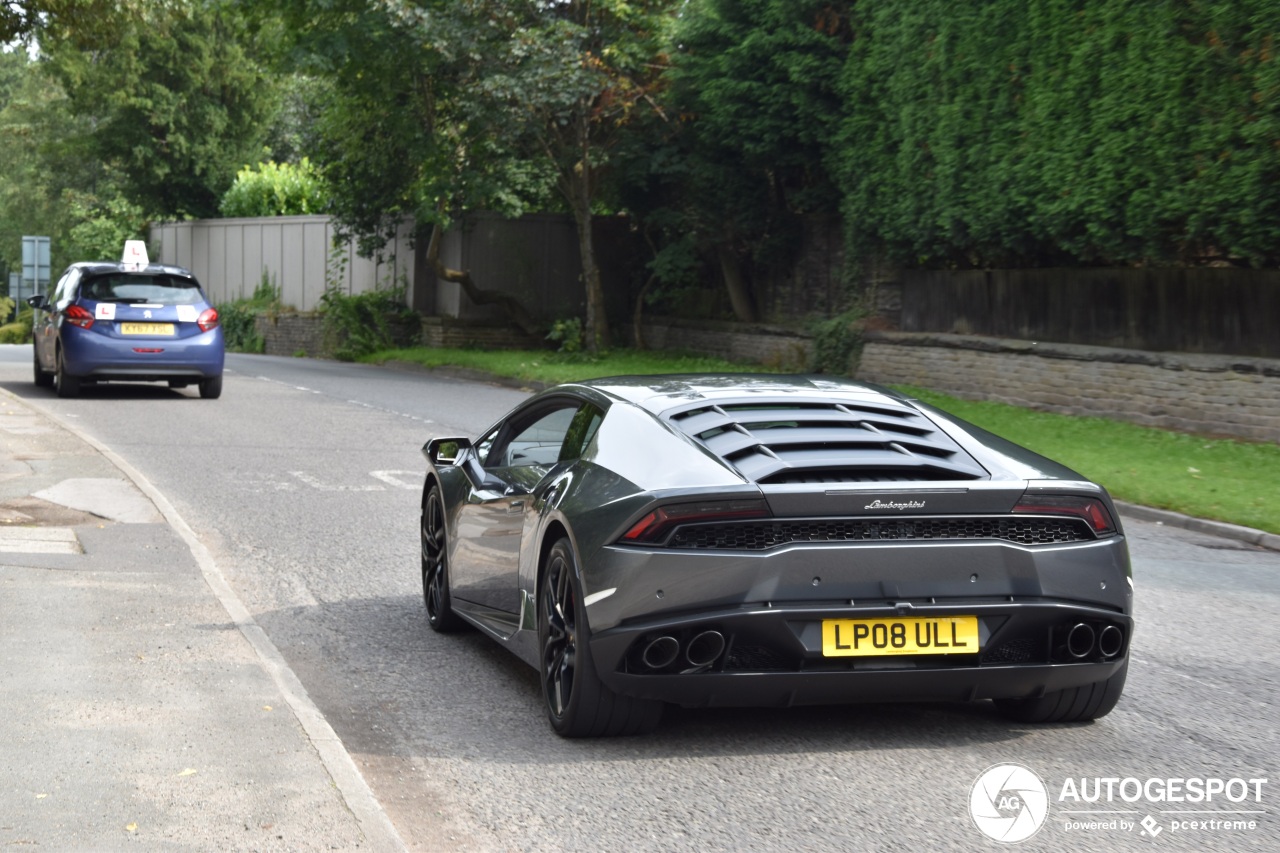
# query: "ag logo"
1008,803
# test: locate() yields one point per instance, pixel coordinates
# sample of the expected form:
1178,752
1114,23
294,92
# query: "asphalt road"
304,480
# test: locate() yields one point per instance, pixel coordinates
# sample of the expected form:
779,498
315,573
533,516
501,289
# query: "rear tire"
211,389
1071,705
44,378
68,385
578,703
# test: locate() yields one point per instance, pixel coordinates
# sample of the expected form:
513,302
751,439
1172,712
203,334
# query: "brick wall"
449,333
1222,395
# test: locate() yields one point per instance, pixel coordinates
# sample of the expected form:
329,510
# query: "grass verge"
1219,479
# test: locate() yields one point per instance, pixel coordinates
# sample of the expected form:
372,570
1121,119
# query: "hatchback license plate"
908,635
146,329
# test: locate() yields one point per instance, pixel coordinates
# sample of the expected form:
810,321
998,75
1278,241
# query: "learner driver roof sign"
135,255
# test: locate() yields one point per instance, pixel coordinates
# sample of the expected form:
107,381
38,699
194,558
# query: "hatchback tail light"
656,524
77,315
208,319
1091,510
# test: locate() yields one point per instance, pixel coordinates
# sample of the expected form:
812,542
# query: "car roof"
99,267
663,393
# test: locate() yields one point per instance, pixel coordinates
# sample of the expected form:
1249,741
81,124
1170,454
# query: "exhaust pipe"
705,648
661,652
1080,640
1110,641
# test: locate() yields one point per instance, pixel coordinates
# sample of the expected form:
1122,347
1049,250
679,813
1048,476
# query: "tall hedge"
1062,131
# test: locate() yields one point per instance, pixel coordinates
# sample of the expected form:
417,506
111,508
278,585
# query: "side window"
63,291
581,430
533,443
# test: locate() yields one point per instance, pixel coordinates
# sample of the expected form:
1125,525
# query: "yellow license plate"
146,329
908,635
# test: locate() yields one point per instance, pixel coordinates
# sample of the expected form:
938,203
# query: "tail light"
208,319
1091,510
656,524
77,315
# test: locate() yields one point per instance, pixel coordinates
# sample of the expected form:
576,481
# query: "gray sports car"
773,541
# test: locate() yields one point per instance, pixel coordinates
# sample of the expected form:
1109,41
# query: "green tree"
175,100
754,86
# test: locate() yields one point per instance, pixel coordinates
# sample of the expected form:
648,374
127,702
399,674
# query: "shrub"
363,323
275,189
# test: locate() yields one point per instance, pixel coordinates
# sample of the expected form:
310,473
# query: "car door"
45,329
491,524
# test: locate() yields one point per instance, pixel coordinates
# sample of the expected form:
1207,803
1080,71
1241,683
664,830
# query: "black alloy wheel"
435,566
578,703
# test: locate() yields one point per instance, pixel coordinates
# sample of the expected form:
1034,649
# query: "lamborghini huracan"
761,540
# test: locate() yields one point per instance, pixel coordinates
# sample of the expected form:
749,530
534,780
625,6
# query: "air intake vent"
795,441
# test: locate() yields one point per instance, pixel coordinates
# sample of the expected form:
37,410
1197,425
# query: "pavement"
141,707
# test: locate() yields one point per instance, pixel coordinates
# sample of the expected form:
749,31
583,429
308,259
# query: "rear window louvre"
790,441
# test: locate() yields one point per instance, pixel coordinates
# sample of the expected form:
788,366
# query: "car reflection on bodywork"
773,541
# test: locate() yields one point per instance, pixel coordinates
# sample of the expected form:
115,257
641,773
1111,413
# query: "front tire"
1070,705
68,385
435,565
44,378
578,702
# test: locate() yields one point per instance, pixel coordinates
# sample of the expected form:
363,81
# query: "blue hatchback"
123,322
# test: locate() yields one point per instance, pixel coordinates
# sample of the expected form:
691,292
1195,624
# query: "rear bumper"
773,655
90,355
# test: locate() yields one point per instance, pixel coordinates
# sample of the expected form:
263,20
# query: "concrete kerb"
347,779
1235,532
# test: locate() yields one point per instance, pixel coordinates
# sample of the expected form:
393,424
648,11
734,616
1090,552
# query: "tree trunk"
740,300
512,307
577,186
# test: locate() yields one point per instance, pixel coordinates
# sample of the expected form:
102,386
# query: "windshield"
127,287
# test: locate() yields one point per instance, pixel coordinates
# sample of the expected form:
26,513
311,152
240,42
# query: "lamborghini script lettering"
878,504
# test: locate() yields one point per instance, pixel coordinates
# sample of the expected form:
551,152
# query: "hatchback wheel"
578,703
44,378
68,385
211,389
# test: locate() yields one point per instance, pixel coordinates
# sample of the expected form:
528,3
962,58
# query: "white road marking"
390,478
317,483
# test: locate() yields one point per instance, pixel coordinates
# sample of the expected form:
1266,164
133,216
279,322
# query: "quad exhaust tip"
705,648
1080,640
1110,641
660,653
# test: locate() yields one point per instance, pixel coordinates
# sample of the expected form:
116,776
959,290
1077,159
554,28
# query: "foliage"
19,331
102,225
363,323
275,189
239,317
836,342
1062,131
174,100
568,333
1232,481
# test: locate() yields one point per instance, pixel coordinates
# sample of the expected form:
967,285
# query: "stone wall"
292,334
1213,394
771,346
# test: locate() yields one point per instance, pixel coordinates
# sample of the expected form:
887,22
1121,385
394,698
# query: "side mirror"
445,451
39,301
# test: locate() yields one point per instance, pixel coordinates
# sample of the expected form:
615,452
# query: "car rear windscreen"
126,287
